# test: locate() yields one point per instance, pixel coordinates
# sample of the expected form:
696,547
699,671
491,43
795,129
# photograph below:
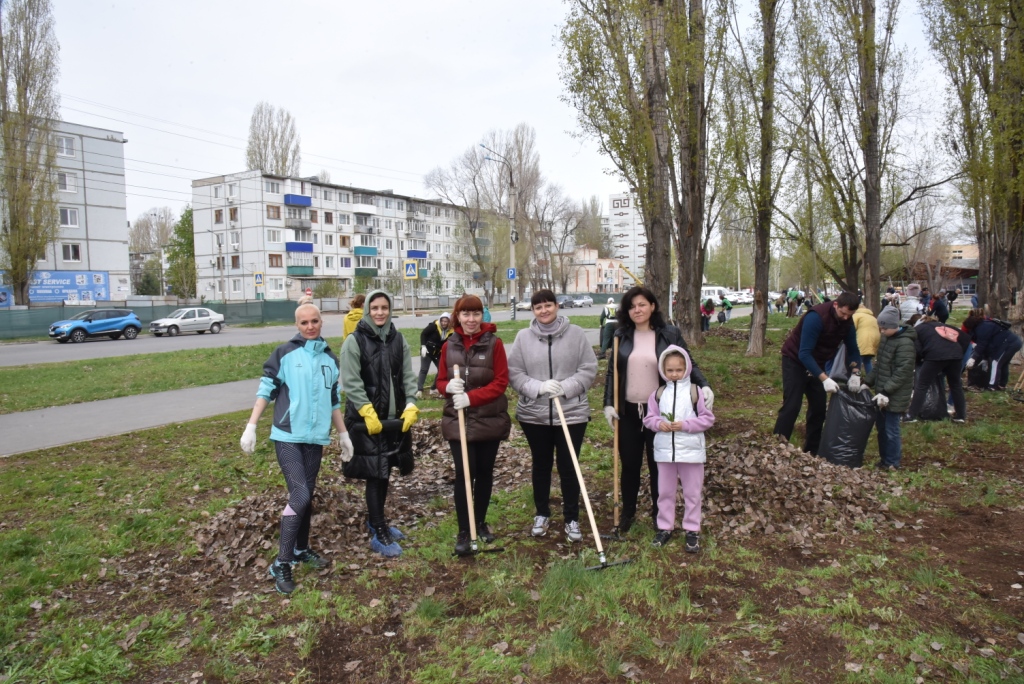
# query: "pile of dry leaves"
757,484
243,535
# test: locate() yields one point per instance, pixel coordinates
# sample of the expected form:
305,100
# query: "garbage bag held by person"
934,407
848,423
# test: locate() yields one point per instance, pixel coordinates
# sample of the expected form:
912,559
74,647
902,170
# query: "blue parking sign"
511,274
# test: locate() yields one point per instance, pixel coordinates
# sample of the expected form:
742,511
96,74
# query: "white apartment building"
629,241
89,262
258,235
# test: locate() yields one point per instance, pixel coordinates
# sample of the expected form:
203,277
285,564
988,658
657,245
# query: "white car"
523,305
580,301
740,298
195,319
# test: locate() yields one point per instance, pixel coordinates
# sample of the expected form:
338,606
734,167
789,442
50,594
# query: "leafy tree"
149,283
181,257
274,144
29,107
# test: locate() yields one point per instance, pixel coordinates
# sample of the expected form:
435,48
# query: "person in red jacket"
479,391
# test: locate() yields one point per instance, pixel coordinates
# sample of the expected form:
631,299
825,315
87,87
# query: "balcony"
298,201
366,272
363,230
416,254
300,270
298,223
365,251
298,247
424,274
363,204
483,242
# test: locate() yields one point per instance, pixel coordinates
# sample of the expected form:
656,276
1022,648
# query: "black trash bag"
847,427
978,376
934,407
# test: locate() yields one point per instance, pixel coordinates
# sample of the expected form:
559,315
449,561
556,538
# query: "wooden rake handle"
579,476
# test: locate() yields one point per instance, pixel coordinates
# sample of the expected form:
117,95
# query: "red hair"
467,303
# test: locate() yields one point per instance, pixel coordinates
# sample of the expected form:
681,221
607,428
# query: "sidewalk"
50,427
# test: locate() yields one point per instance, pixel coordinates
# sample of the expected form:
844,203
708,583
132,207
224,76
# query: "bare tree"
273,142
151,230
29,106
324,176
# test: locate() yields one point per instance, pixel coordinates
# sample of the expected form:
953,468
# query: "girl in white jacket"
676,411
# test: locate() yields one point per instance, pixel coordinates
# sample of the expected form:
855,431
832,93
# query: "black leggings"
300,464
634,439
376,496
545,441
481,473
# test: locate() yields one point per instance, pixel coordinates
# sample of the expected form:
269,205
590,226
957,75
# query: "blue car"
112,323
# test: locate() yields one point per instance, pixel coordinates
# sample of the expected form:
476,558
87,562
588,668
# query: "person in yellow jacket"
868,336
354,315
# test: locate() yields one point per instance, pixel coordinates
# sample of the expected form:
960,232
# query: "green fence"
36,322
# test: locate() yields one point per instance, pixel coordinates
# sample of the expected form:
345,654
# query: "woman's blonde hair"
306,302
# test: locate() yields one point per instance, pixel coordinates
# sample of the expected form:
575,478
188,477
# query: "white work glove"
970,363
460,401
248,441
831,386
423,351
881,400
709,397
419,394
456,386
610,415
854,383
347,451
552,388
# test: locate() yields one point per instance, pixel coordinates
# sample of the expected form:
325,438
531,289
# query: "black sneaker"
484,533
907,419
462,545
662,537
692,542
310,558
281,573
625,524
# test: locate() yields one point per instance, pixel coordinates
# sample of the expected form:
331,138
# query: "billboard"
72,287
6,297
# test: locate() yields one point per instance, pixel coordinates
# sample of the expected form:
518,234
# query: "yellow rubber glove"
373,424
410,415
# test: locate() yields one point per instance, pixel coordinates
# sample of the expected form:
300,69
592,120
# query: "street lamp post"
513,236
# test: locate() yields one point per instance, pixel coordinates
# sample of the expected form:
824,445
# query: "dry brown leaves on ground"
754,483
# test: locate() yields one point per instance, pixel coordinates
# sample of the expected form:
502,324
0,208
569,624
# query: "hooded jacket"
433,336
892,373
676,399
564,355
376,368
484,367
868,336
911,303
301,378
351,320
991,339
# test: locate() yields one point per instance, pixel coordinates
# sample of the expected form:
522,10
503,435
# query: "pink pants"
689,476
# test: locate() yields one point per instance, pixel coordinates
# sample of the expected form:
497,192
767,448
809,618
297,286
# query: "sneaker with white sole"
572,531
540,526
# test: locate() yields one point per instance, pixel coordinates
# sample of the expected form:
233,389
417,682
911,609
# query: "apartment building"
629,240
89,261
259,235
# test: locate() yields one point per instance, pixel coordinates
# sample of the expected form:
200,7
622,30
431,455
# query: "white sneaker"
540,526
572,531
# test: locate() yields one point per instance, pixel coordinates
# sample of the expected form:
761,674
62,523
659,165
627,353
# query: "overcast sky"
381,92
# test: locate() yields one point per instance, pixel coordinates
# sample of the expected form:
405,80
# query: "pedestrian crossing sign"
257,279
411,273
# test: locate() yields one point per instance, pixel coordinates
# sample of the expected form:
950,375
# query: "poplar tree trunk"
869,142
658,217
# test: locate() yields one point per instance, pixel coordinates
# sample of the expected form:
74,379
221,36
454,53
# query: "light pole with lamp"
513,236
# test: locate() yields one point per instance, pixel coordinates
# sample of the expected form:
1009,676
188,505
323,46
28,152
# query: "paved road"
48,351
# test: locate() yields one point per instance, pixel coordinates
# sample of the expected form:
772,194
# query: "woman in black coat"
940,349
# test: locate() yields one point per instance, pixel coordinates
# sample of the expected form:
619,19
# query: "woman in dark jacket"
479,390
940,348
995,343
376,371
643,335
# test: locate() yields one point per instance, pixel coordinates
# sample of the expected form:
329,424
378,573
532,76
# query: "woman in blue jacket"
301,378
993,343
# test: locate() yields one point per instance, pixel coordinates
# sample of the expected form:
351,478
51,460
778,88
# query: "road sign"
511,274
257,279
411,272
309,292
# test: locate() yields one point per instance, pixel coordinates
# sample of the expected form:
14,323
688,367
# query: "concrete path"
50,427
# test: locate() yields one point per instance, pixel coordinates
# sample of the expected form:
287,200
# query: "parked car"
112,323
193,319
565,302
523,305
740,297
582,301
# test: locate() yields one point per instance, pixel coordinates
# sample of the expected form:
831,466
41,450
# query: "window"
68,218
316,193
344,197
72,251
66,147
447,230
216,191
313,218
389,244
400,225
401,205
344,219
328,239
296,212
401,245
388,203
233,213
346,262
218,216
437,211
276,284
232,189
220,263
376,222
236,261
328,195
236,285
67,182
303,235
219,237
236,238
272,186
345,241
390,264
316,238
273,212
328,217
316,262
275,261
362,220
447,212
367,241
328,262
273,235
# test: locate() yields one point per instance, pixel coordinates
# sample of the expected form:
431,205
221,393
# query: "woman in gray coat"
552,358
